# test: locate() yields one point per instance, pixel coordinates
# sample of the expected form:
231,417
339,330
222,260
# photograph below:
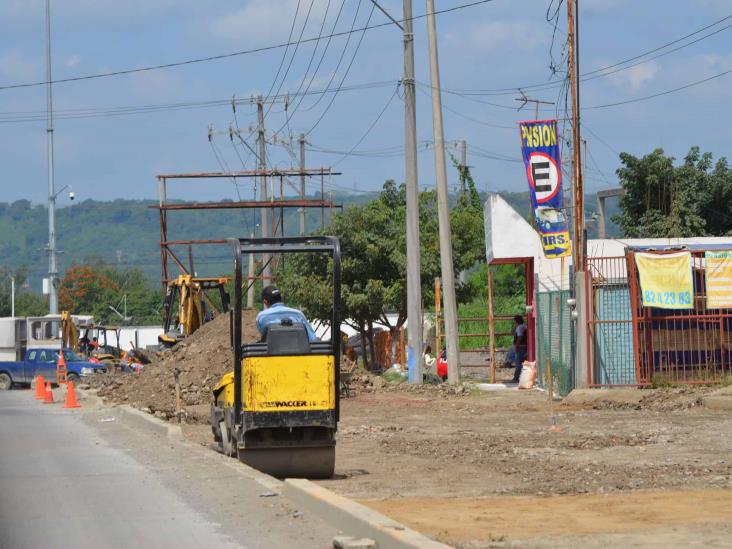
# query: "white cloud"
267,21
72,61
636,77
499,35
16,65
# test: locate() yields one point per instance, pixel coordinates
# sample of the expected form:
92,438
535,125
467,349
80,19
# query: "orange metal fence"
629,344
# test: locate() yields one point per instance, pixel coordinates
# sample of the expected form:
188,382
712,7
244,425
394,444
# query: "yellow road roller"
278,410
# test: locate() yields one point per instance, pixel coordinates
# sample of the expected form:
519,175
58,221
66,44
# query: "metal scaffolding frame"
275,204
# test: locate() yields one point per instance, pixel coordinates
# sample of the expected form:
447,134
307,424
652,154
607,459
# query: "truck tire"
73,377
6,382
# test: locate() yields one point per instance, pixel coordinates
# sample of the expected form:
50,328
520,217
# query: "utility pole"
443,211
264,217
414,277
302,182
52,270
578,250
463,164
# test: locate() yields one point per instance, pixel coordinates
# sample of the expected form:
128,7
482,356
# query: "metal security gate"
553,325
610,351
674,346
632,345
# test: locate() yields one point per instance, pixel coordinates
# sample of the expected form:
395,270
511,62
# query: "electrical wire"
659,94
106,112
232,54
334,72
284,54
368,131
294,53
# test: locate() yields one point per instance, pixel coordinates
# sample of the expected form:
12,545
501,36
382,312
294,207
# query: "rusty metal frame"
678,345
276,205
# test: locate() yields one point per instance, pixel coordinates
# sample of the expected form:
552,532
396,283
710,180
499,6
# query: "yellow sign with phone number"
665,280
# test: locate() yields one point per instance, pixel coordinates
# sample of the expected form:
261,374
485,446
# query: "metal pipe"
52,269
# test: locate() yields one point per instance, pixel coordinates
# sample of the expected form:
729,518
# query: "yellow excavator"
194,306
278,410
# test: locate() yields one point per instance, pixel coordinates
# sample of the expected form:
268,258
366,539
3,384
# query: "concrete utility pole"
414,278
302,182
52,269
443,211
264,214
578,250
414,282
463,164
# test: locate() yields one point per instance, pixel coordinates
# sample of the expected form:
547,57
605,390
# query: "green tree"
96,289
26,304
373,249
663,200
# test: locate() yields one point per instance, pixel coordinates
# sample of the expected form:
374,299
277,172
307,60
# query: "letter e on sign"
544,176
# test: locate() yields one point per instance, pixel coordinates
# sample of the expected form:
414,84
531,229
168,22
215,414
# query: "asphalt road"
84,478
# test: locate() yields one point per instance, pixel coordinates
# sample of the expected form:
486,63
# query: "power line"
345,74
284,54
233,54
659,94
371,127
583,77
103,112
294,53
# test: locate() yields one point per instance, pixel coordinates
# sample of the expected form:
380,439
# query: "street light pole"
12,296
52,270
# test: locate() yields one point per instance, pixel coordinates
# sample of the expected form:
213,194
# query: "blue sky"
499,45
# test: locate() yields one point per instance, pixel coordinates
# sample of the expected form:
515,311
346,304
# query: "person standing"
520,345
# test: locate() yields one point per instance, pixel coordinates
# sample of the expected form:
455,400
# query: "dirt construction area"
501,468
497,469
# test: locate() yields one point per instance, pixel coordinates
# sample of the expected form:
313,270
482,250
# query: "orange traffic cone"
48,398
40,387
61,369
71,401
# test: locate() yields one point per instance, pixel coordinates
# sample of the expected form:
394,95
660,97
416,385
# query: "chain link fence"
554,331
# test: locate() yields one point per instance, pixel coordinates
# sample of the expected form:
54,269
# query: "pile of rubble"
202,359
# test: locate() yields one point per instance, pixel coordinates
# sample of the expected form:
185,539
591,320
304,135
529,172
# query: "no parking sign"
540,150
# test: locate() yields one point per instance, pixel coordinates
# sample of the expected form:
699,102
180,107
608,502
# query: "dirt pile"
363,381
659,400
202,359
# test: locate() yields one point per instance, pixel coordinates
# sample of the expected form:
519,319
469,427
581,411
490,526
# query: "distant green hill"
126,233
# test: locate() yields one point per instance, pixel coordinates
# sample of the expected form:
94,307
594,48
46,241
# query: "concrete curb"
147,421
354,518
136,417
344,514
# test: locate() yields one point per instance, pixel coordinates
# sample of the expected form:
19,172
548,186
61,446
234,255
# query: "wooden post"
491,327
549,382
438,331
176,375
